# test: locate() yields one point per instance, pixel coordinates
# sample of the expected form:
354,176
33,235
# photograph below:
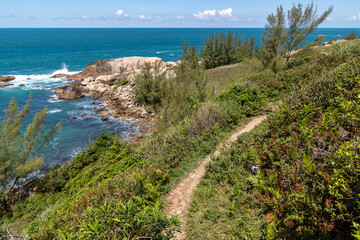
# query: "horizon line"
155,27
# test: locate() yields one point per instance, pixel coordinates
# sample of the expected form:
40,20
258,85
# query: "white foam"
35,79
161,52
54,111
63,70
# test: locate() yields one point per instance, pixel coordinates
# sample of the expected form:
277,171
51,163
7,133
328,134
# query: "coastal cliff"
113,81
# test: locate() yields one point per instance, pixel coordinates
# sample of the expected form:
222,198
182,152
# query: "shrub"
119,82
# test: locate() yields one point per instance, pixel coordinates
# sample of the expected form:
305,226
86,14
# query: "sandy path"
179,198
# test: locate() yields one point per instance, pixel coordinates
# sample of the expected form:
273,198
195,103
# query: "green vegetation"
308,157
19,153
115,191
221,50
283,37
351,35
307,150
119,82
173,97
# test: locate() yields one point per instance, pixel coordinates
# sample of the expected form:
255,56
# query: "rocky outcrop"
5,84
7,78
70,93
4,81
98,80
60,75
121,65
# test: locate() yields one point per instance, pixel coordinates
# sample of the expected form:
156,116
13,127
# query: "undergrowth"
308,154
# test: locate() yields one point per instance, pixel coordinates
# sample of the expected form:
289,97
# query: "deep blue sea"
33,55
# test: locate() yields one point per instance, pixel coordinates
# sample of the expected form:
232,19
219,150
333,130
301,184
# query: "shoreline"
112,80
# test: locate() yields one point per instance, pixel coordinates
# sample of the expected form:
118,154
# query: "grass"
221,78
308,154
111,180
111,176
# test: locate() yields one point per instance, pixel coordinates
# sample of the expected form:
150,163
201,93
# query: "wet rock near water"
70,94
61,75
99,80
4,81
6,78
5,84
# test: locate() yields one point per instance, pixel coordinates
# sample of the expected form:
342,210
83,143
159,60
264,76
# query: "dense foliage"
19,150
288,32
112,190
308,154
173,96
307,151
220,49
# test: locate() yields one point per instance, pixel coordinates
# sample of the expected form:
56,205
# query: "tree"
19,152
274,38
301,24
281,37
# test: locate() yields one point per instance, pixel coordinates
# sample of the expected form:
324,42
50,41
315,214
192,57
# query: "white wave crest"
161,52
54,111
35,79
63,70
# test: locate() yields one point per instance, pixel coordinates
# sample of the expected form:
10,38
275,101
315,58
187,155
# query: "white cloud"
179,17
354,18
205,15
85,17
225,13
103,17
121,15
143,17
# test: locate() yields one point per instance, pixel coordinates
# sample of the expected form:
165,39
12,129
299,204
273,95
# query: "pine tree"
281,37
19,152
302,22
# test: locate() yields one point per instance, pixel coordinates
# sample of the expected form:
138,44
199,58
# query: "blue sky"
161,13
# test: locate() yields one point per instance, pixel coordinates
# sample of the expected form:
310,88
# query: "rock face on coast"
100,79
127,64
4,80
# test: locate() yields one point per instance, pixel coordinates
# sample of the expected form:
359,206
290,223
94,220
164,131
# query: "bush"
351,35
119,82
221,50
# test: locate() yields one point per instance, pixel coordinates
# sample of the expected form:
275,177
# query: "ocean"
34,55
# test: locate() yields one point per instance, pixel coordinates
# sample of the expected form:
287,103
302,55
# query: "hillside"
308,156
306,150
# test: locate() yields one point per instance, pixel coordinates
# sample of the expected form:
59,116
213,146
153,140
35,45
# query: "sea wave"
54,111
162,52
41,78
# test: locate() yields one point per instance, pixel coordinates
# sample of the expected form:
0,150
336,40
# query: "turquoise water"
33,55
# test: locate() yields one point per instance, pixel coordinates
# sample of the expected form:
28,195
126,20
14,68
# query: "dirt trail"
179,198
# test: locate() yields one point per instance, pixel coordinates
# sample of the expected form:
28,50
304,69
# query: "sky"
160,13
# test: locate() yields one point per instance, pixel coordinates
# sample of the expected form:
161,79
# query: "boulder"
4,84
22,85
70,94
7,78
120,65
104,113
59,91
60,75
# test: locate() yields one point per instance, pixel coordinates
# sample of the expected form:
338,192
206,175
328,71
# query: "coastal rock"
59,91
104,113
121,65
4,84
7,78
60,75
71,93
22,85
